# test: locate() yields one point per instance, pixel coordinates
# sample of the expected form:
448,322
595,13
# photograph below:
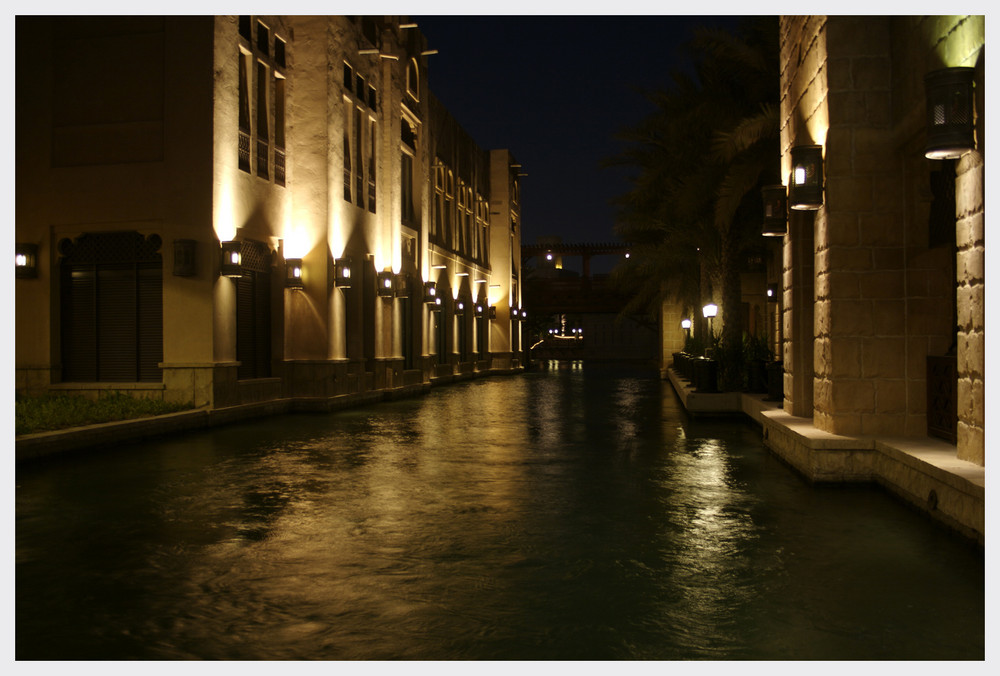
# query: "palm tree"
702,157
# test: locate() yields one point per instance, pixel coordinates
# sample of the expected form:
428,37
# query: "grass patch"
56,412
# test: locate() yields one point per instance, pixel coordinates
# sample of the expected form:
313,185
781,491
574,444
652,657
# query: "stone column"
971,273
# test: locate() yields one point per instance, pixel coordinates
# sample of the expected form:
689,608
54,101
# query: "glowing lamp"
293,273
230,259
772,293
385,284
430,293
460,307
950,113
775,211
806,190
686,324
493,312
480,309
25,261
342,273
710,310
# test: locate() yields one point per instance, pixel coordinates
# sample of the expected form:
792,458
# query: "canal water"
570,513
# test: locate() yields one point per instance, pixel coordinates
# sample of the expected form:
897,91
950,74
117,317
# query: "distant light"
685,323
710,310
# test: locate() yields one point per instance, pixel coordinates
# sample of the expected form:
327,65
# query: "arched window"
413,80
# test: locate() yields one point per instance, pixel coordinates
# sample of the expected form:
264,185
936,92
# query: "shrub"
54,412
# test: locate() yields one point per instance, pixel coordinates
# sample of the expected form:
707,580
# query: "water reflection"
574,513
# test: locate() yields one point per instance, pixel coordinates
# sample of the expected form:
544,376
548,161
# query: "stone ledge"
924,472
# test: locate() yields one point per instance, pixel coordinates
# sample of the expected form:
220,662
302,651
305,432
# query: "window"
371,166
408,148
111,312
255,124
244,122
449,202
279,52
263,38
406,188
359,176
263,133
244,29
413,80
279,129
359,134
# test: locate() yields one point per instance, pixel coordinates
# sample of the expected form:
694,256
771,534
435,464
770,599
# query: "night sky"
556,90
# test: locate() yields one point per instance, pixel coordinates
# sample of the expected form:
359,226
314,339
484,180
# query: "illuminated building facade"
882,273
229,210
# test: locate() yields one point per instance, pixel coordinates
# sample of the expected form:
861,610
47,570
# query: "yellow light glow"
225,217
20,260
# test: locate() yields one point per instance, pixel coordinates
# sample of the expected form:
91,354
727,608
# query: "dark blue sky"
555,90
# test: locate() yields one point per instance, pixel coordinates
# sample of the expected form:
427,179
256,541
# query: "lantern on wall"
342,272
775,211
385,284
950,113
293,273
806,190
430,293
229,264
772,293
25,260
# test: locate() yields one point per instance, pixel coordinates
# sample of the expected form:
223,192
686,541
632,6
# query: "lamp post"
709,311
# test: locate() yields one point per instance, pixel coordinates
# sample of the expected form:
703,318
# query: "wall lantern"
436,305
772,293
950,113
775,211
293,273
523,314
493,312
385,284
806,190
229,265
460,307
342,273
513,312
430,293
480,309
25,261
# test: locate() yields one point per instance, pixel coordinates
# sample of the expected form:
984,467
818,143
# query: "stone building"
883,279
233,209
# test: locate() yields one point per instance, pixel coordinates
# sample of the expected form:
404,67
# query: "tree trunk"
731,348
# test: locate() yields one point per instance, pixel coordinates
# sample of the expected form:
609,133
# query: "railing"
279,165
244,150
942,399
